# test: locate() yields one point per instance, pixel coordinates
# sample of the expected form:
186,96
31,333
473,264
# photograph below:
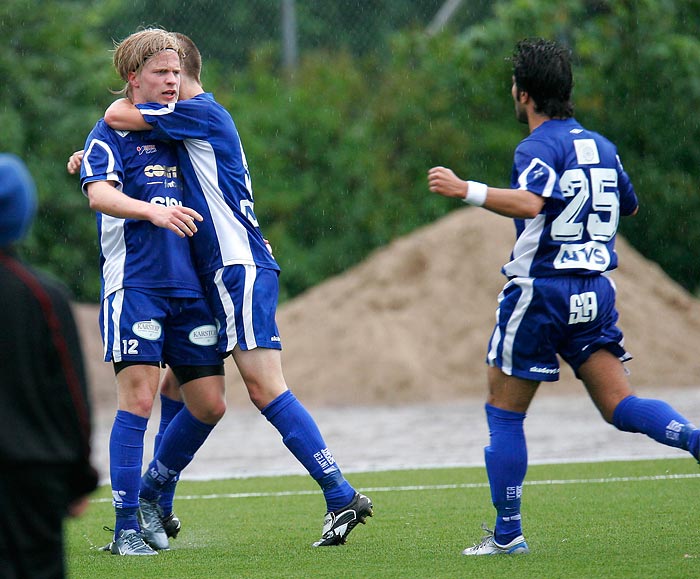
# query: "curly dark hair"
542,68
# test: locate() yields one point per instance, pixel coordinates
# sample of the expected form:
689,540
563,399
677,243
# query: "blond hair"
134,51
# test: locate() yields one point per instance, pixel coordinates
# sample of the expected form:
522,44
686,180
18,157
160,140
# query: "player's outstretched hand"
443,181
74,162
178,219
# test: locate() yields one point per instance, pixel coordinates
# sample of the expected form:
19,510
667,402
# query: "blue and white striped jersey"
217,182
586,190
135,253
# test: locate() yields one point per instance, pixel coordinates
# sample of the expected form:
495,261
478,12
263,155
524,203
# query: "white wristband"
476,193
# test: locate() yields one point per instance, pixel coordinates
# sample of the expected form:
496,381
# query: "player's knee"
211,412
262,394
139,405
257,396
216,411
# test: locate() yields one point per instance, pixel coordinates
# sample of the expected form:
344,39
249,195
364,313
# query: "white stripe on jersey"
537,165
516,317
114,251
229,308
525,248
495,339
116,308
105,327
164,110
110,175
251,273
231,235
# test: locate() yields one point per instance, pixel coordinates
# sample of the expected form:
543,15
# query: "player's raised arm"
516,203
122,115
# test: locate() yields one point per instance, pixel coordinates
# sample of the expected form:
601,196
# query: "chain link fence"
231,31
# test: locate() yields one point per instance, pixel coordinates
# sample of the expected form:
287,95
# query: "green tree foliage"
339,156
340,149
54,88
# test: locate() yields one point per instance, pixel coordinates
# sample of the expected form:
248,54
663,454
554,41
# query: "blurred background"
343,106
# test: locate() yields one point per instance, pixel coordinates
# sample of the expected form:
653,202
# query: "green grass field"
612,519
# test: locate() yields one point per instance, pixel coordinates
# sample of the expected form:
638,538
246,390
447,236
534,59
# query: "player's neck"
189,89
534,120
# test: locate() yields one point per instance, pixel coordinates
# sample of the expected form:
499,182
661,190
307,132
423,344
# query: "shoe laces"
486,538
134,540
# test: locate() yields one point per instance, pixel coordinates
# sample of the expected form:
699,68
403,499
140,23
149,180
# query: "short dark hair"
191,58
542,68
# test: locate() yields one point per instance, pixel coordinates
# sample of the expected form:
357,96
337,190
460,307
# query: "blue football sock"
303,438
181,440
506,466
693,435
658,420
125,461
168,410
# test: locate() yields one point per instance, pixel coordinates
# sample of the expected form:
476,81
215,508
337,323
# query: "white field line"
414,488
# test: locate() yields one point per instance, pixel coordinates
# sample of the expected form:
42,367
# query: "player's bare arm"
123,115
516,203
106,198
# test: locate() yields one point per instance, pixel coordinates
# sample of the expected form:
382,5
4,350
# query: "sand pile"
411,323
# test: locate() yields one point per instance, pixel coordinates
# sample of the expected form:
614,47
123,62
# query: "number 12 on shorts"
132,346
583,308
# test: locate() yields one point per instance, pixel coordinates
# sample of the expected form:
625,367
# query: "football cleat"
129,542
488,546
150,515
171,525
338,524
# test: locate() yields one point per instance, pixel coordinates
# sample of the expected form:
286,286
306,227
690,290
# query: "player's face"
520,112
158,81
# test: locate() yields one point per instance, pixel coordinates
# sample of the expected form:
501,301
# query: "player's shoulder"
575,130
199,106
540,143
201,100
103,132
606,149
100,129
557,137
219,114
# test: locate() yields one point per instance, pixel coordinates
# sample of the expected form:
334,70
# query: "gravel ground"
558,429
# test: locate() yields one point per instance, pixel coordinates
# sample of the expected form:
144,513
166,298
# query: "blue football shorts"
244,301
141,327
538,318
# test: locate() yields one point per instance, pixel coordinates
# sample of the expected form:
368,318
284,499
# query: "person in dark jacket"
45,469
